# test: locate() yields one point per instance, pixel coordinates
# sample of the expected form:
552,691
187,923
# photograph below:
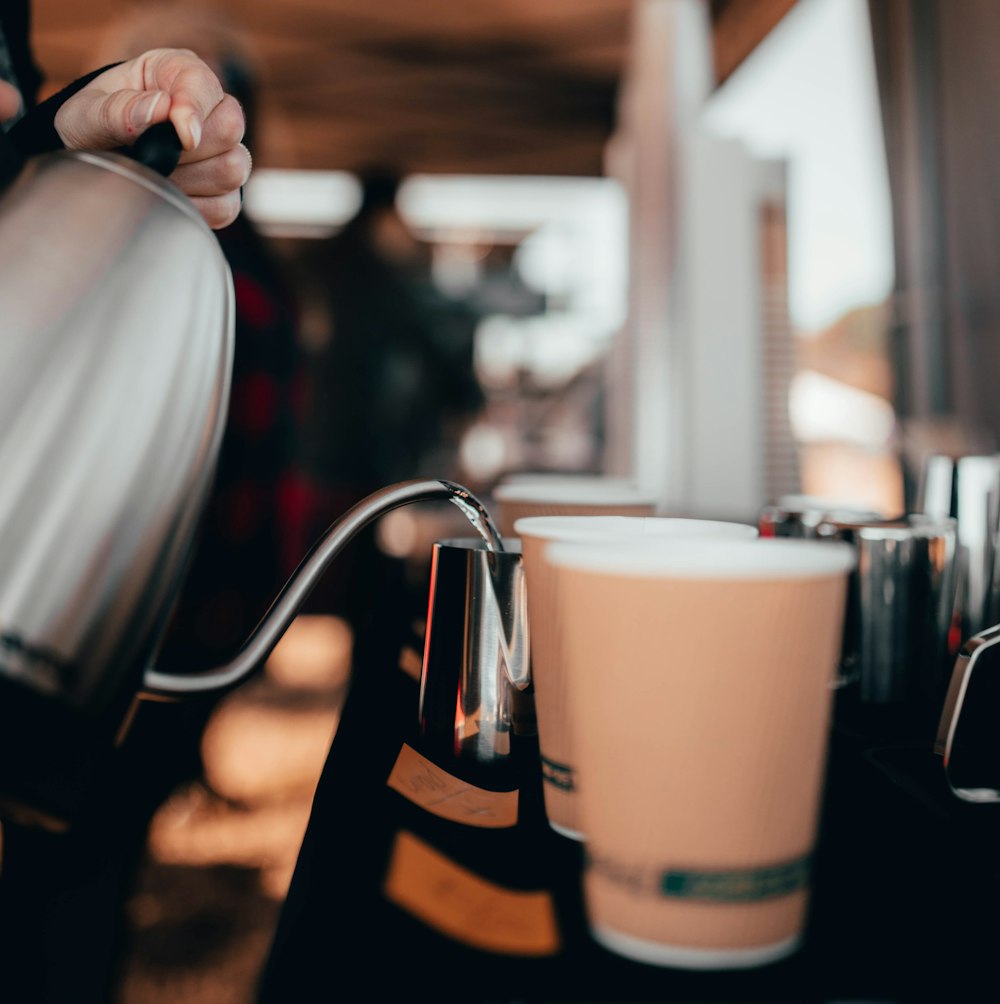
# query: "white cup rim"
575,490
558,477
913,526
621,527
818,504
708,558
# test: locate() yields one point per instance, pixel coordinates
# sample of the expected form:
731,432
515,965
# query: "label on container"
425,784
742,885
724,885
466,907
559,775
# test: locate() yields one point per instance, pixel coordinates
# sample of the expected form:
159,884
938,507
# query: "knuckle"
229,119
241,165
231,169
111,113
221,210
163,53
231,208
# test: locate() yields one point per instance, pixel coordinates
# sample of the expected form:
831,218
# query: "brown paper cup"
551,675
701,700
568,495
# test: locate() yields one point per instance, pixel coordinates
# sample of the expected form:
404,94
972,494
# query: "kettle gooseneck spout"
160,685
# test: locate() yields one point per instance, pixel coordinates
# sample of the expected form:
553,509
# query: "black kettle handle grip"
158,148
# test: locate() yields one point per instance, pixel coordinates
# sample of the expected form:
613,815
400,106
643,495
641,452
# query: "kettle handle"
158,148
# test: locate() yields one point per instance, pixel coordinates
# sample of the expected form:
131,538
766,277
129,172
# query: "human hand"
115,108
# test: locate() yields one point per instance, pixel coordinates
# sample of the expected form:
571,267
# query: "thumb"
97,120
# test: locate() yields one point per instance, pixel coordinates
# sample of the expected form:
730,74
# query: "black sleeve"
35,132
16,20
10,161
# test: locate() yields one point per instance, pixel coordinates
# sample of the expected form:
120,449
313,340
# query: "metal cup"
968,489
896,648
475,679
801,515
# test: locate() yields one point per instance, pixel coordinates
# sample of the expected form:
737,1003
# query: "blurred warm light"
549,349
411,533
498,352
559,346
263,752
411,662
457,265
822,409
503,205
285,198
258,751
313,654
461,209
568,446
483,451
546,260
397,533
276,877
853,476
194,829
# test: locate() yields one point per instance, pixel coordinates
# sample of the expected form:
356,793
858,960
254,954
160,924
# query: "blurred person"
389,393
112,106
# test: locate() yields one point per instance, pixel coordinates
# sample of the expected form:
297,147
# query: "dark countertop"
906,884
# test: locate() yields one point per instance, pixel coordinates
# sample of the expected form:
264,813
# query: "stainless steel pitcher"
967,488
475,678
900,600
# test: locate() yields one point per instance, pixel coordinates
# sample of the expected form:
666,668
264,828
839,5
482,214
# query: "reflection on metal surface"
900,603
967,735
116,341
968,488
474,687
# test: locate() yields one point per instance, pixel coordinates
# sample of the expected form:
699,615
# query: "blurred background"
734,249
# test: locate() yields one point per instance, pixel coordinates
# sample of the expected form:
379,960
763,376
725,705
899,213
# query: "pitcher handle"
965,732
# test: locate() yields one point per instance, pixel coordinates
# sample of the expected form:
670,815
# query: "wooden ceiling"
435,86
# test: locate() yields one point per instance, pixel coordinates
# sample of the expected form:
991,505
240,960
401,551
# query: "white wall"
686,402
724,383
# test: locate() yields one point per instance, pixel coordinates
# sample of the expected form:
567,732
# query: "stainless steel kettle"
116,344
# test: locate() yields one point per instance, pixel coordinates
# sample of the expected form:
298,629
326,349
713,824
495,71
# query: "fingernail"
143,110
195,127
